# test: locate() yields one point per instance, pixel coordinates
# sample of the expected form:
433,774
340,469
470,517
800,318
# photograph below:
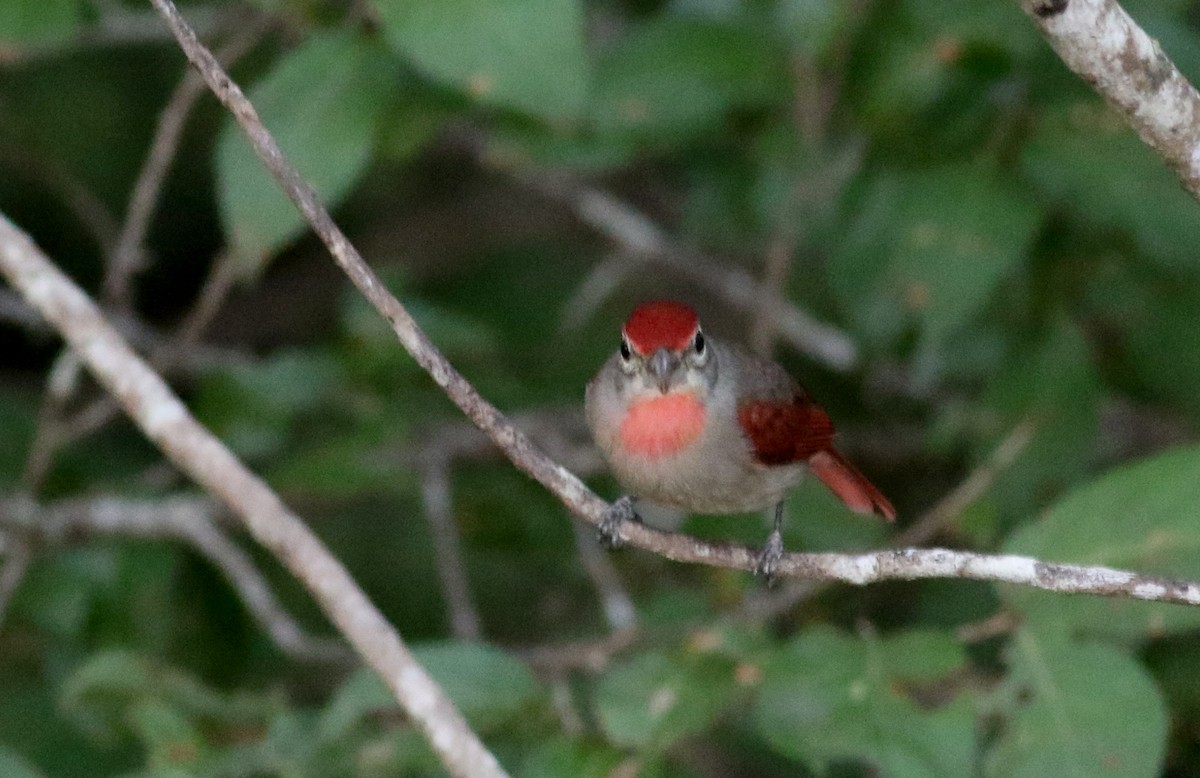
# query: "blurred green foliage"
999,245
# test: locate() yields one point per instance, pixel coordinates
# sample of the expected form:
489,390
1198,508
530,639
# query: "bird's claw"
609,531
768,559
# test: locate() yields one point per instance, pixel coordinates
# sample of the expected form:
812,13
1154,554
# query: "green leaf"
59,593
1053,383
171,739
930,247
522,54
676,77
44,21
18,419
103,696
1138,517
1161,337
324,103
489,686
560,757
1076,711
1085,156
254,407
811,26
13,765
363,693
655,699
827,697
935,81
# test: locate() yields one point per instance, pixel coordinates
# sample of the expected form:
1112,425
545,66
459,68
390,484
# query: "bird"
690,421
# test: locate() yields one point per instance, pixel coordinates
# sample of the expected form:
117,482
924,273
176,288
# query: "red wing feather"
785,432
801,431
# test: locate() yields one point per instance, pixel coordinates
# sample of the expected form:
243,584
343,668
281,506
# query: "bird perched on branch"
688,421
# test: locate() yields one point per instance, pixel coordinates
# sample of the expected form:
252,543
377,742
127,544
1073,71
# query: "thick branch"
1103,45
164,419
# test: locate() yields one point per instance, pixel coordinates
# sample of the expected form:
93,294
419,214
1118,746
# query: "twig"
778,267
768,605
75,195
809,112
563,434
618,606
560,431
436,500
17,557
188,519
604,278
164,419
1103,45
590,655
644,241
949,508
178,357
856,569
1000,623
127,257
208,302
61,385
131,28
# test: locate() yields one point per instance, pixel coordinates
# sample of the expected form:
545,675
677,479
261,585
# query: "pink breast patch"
661,426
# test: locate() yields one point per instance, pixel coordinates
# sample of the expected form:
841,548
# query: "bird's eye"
698,343
625,352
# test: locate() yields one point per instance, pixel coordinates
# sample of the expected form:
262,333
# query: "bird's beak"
662,367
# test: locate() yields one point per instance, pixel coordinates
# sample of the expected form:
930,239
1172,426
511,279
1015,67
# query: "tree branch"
644,241
438,503
766,605
164,419
1104,46
127,256
856,569
189,519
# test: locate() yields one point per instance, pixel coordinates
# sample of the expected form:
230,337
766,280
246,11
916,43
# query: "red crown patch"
661,324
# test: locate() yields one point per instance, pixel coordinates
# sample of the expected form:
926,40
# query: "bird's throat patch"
662,426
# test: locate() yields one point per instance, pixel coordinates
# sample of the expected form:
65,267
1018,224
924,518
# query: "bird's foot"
768,559
609,531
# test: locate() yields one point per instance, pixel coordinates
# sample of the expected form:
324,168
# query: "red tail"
851,486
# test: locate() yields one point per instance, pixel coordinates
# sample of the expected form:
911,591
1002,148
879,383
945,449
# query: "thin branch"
129,27
600,283
951,507
166,421
1100,42
856,569
779,256
618,605
942,515
178,357
187,519
70,190
128,256
564,436
590,655
216,288
645,241
809,112
17,557
438,504
61,385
